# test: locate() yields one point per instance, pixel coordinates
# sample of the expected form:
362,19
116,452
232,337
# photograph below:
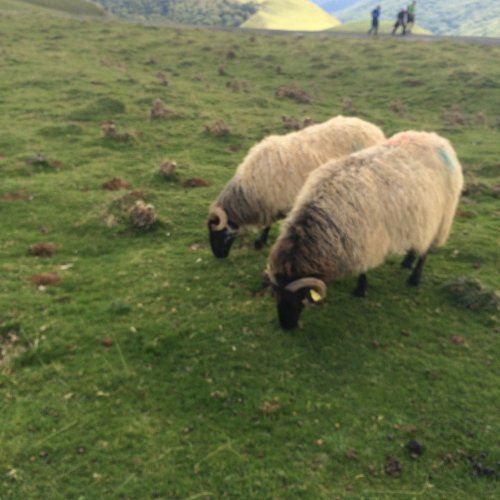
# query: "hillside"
266,14
290,15
135,365
76,7
443,17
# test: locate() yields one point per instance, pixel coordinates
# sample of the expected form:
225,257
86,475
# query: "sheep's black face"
221,241
289,305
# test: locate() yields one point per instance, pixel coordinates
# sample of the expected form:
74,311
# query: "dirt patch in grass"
115,184
16,196
45,279
472,294
479,189
42,250
195,182
300,96
42,161
393,467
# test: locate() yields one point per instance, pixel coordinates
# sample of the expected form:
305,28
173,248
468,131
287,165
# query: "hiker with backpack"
401,21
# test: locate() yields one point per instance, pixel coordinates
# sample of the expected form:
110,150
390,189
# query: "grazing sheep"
265,185
394,198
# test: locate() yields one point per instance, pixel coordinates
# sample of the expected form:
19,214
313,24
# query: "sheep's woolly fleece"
266,183
355,212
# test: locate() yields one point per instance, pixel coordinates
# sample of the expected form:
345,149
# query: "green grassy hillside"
385,27
142,367
300,15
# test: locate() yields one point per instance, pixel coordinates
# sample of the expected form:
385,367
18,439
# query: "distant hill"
443,17
78,7
266,14
290,15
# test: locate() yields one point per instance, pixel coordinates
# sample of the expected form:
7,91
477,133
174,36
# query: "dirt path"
407,38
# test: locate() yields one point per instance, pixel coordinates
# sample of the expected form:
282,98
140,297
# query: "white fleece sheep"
396,197
266,183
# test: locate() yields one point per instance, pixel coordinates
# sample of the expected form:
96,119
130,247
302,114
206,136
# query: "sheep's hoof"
258,245
413,280
360,294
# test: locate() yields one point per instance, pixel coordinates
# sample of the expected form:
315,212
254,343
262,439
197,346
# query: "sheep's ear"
314,297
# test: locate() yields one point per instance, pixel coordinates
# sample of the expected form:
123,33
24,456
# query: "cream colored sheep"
394,198
266,183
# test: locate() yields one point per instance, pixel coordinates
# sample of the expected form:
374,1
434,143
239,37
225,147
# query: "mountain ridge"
303,15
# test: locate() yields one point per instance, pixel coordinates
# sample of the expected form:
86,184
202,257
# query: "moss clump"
472,294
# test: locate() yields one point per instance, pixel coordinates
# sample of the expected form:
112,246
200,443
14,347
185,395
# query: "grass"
154,370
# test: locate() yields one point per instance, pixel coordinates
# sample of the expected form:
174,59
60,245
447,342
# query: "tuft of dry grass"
237,85
110,131
218,128
348,106
398,107
162,79
167,169
160,110
142,215
292,123
10,347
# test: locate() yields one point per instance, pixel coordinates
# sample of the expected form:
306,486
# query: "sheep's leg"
415,276
410,257
262,239
360,290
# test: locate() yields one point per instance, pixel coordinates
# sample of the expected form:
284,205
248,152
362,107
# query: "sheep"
266,183
395,198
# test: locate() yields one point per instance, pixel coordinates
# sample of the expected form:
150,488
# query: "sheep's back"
379,202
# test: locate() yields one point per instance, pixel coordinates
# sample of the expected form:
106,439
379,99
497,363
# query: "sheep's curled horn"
221,215
314,283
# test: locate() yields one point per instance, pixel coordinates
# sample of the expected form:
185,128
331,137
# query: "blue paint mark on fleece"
446,159
356,147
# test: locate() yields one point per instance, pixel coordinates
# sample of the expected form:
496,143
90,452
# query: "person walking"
375,18
400,21
411,16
